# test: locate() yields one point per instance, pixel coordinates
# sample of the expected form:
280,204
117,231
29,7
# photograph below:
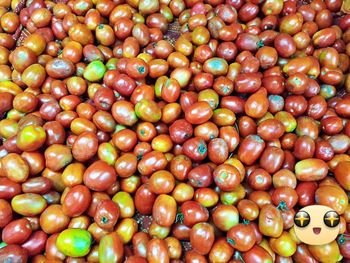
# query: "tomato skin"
28,204
341,173
221,251
152,162
17,231
36,243
180,166
15,167
144,200
5,213
25,137
125,203
57,157
198,113
283,245
13,253
99,176
193,213
107,214
9,188
257,254
303,254
202,238
311,169
306,193
195,148
327,252
53,220
85,146
164,210
241,237
157,251
37,185
225,217
126,228
226,177
77,201
148,110
201,176
250,149
74,242
161,182
270,221
343,245
51,250
332,196
139,243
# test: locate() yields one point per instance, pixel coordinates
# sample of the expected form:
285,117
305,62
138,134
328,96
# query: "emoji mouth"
316,230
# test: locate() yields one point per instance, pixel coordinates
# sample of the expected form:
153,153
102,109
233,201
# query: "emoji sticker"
316,224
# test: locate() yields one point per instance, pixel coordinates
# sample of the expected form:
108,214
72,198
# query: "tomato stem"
230,241
245,221
104,220
179,218
282,206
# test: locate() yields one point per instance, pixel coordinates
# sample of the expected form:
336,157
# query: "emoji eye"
331,219
302,219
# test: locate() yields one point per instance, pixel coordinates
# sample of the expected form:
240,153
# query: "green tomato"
31,138
148,110
95,71
74,242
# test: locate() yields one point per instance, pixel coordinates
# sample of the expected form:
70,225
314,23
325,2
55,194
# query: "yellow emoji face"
316,224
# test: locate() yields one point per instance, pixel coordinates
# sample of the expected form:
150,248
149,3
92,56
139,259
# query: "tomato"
250,149
126,229
5,213
221,251
257,254
53,220
57,157
226,177
148,110
99,176
85,146
152,162
225,217
139,242
107,214
51,250
74,242
15,167
332,196
195,148
198,113
13,253
327,252
16,232
36,243
157,251
284,245
164,210
193,212
28,204
125,203
144,199
202,238
76,201
270,221
341,174
161,182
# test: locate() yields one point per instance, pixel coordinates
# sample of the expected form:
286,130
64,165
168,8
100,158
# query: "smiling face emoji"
316,224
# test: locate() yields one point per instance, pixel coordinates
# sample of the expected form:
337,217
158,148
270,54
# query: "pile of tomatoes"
172,130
